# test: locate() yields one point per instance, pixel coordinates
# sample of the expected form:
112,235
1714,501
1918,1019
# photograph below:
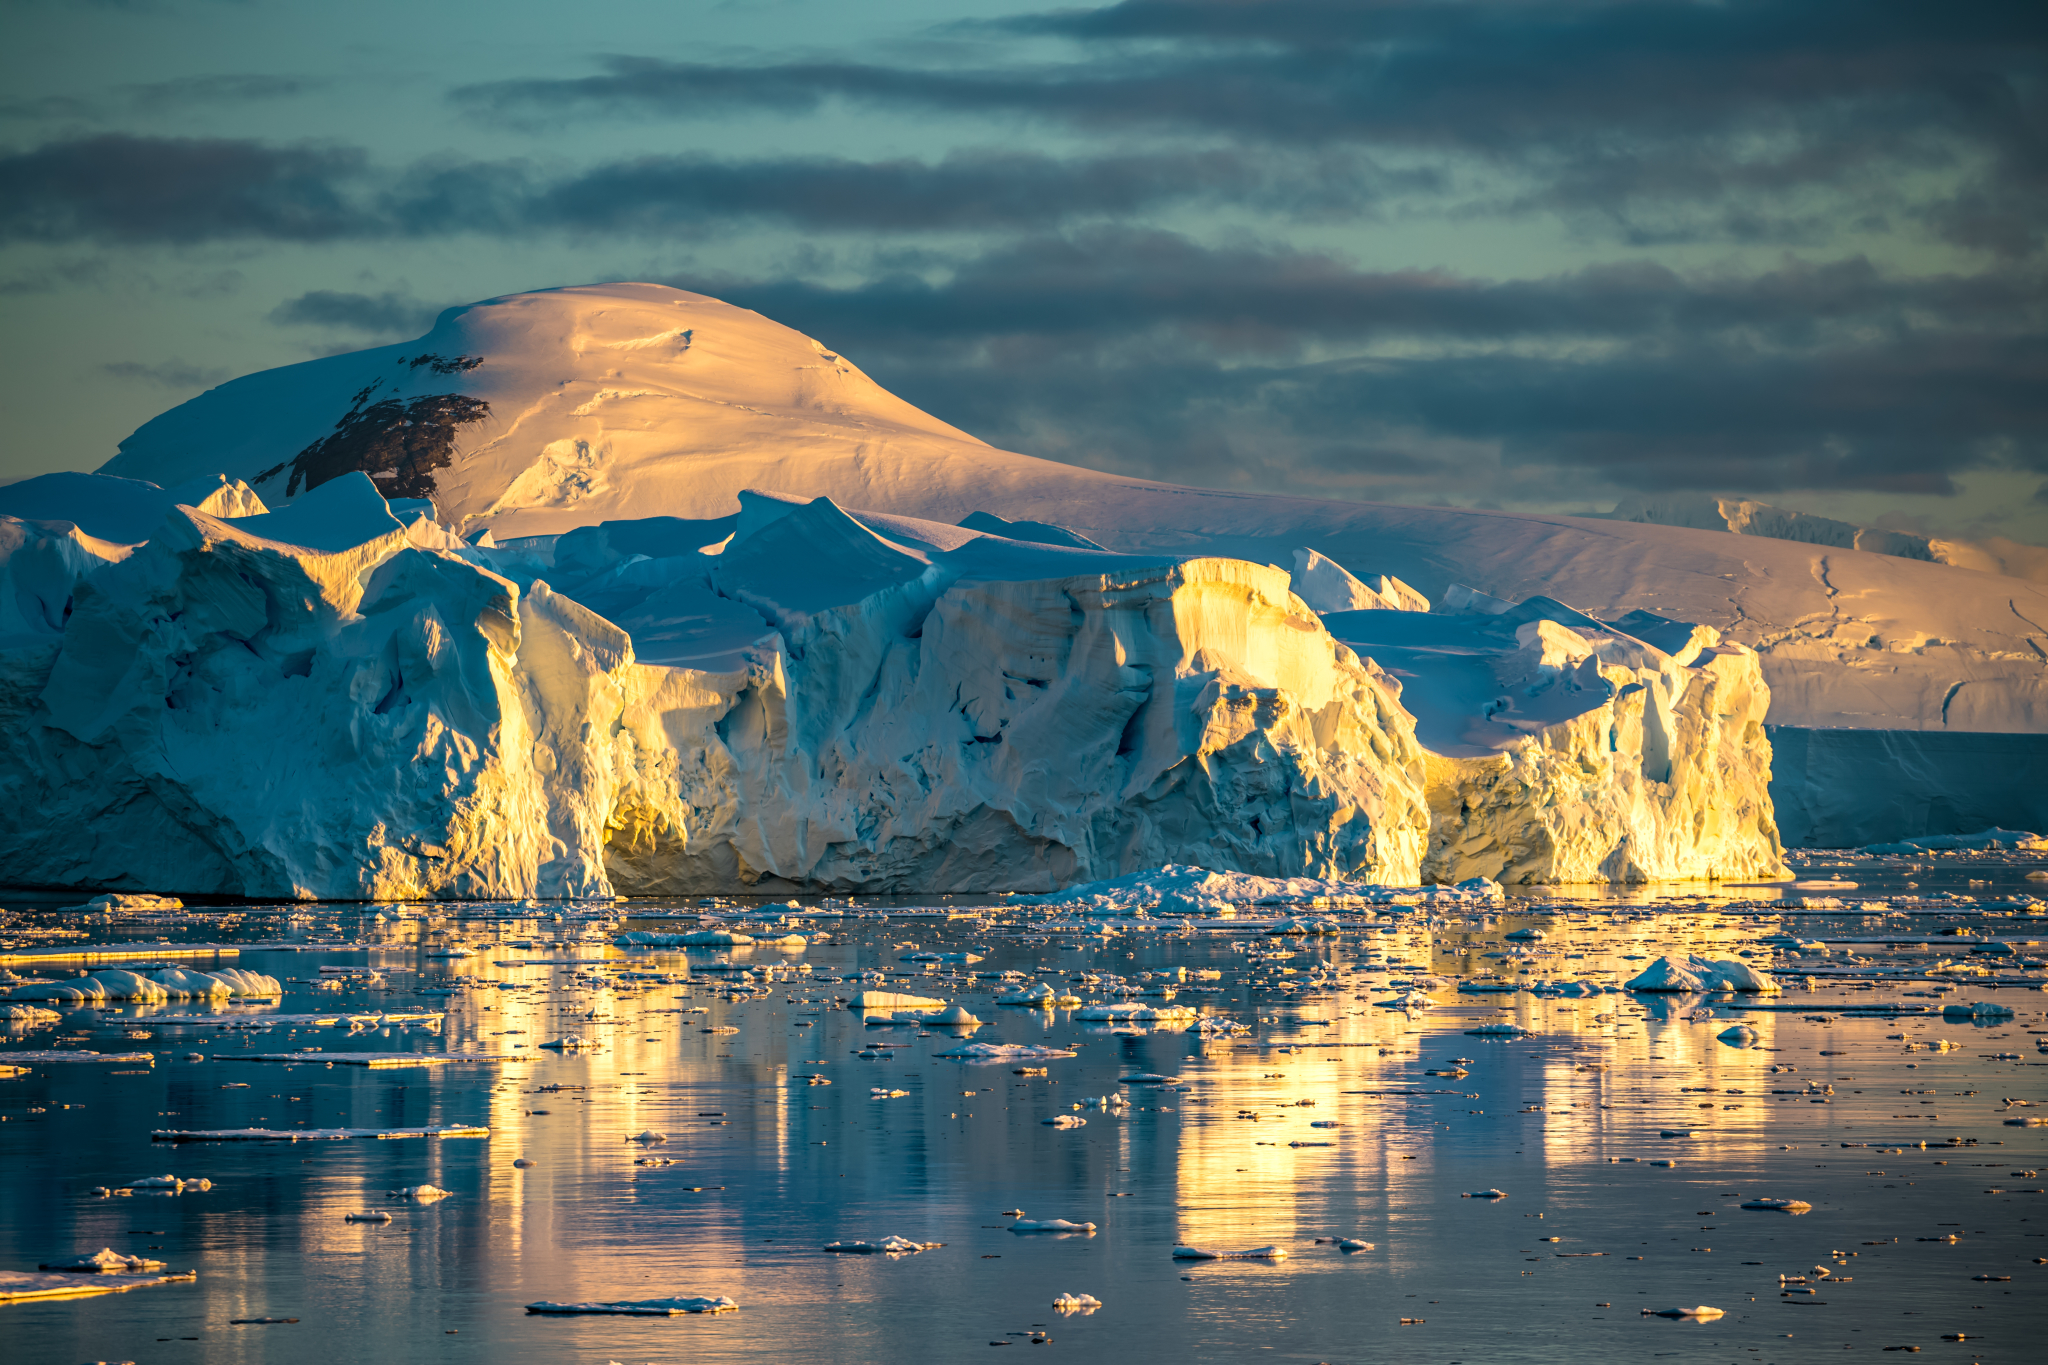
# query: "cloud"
169,374
391,312
1269,368
131,189
1659,119
117,187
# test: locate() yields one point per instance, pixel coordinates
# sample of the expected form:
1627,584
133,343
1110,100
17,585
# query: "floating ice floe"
1675,975
879,1093
1525,935
366,1216
1207,1254
1980,1009
1484,1194
1778,1205
1134,1013
1038,995
18,1285
1050,1225
1741,1035
313,1134
1069,1304
1700,1312
1065,1121
638,1308
168,1183
1498,1031
422,1194
1215,1026
1411,1000
648,1137
1181,890
571,1043
889,1001
105,1262
1305,927
1147,1078
696,938
888,1246
1004,1052
16,1015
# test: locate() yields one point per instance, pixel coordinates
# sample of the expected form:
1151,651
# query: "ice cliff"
344,699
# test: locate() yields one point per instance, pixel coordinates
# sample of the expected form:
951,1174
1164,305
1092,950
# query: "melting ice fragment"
1070,1304
888,1246
639,1308
1272,1253
1050,1225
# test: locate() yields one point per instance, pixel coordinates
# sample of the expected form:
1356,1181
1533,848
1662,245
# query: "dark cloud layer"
1154,355
1667,118
122,188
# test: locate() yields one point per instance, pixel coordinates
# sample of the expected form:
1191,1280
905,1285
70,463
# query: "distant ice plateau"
675,600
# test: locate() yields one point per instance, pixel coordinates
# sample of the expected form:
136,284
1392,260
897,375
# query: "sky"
1537,256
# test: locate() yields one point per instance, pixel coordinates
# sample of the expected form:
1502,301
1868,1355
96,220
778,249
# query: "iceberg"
854,649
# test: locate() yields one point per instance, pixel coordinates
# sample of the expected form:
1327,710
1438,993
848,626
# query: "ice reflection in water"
1338,1131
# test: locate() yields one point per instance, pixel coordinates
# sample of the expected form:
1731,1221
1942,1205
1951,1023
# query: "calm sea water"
769,1167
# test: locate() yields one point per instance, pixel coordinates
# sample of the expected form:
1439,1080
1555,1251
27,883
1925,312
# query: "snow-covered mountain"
904,659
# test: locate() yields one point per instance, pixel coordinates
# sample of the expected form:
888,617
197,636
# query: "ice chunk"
105,1262
1741,1035
888,1246
1050,1225
1070,1303
641,1308
17,1285
372,1216
1778,1205
1327,586
1484,1194
423,1194
1065,1121
1133,1013
648,1137
1498,1031
1272,1253
1700,1312
182,982
168,1182
313,1134
1667,974
1980,1009
1004,1052
696,938
891,1001
1147,1078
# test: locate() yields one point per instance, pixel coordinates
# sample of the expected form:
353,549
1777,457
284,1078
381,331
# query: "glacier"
676,600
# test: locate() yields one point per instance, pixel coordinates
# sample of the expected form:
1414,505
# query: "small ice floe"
1051,1225
1070,1304
878,1093
1065,1121
1289,928
1980,1009
1134,1013
1742,1035
17,1015
700,938
372,1216
1674,1133
570,1043
1411,1000
1497,1031
1662,1161
1347,1243
1778,1205
638,1308
1484,1194
311,1134
1003,1052
888,1001
1700,1312
1147,1078
1525,935
888,1246
170,1183
422,1194
648,1137
1207,1254
19,1285
1039,995
1215,1026
106,1261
